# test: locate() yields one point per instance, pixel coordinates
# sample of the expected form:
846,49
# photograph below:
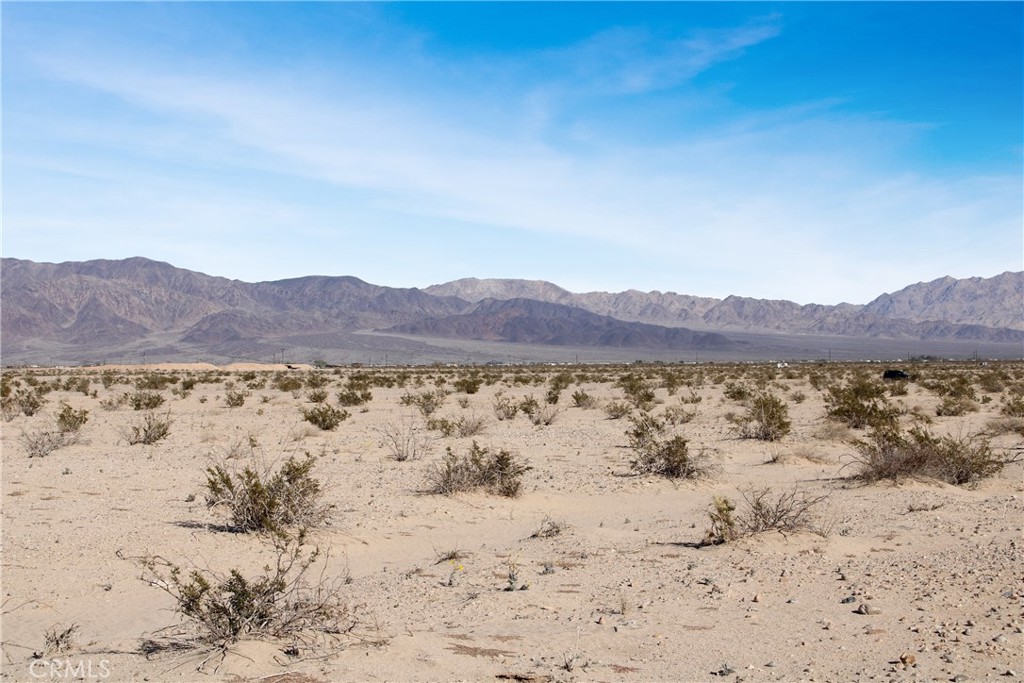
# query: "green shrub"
557,384
860,403
29,401
496,471
668,457
616,410
736,392
282,603
316,395
504,407
637,391
469,384
151,429
354,397
427,402
767,419
324,416
144,400
70,420
259,499
582,399
235,398
894,454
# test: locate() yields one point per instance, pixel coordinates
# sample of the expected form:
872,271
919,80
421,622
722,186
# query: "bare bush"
290,600
786,511
405,441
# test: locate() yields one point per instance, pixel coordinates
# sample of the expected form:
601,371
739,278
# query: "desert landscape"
634,522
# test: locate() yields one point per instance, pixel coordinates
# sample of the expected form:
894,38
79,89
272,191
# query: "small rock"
999,639
959,678
907,659
756,598
865,608
1010,672
847,600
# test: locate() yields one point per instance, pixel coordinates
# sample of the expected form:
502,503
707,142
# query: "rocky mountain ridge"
82,309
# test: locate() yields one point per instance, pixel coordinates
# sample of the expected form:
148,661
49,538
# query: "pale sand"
627,593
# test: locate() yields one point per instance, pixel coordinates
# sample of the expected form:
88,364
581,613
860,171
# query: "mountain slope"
107,308
529,321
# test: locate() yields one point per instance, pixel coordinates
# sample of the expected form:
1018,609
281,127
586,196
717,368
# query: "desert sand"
916,580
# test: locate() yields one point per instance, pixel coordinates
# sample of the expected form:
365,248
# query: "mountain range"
104,309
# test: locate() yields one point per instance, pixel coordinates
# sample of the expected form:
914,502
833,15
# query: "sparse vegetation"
669,457
259,498
290,600
499,472
767,418
150,429
405,441
326,417
895,455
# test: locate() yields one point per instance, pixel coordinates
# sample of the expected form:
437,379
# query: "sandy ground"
625,591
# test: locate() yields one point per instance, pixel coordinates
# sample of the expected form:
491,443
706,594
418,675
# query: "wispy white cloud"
764,205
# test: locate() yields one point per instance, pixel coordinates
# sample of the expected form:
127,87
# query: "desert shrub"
786,511
287,383
316,380
668,457
504,407
285,602
678,414
155,381
955,406
149,430
257,498
316,395
354,397
736,392
188,383
992,382
235,398
144,400
496,471
469,384
41,442
691,399
29,401
763,510
616,410
556,385
529,405
860,403
70,420
545,415
894,454
724,525
637,391
1006,425
767,418
405,441
1013,405
324,416
427,402
582,399
79,384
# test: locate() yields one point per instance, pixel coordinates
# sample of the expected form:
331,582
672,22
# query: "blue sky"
817,152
